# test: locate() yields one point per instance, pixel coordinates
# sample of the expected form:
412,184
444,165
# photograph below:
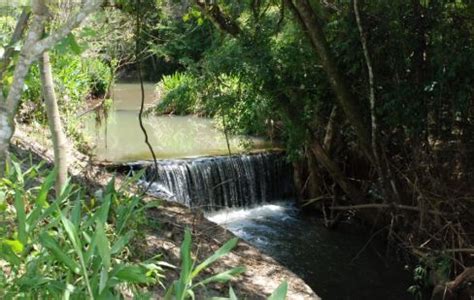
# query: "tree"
59,139
33,47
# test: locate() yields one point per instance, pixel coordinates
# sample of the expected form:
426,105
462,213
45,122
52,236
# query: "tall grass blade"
21,217
280,292
222,277
49,243
186,266
72,233
103,245
224,250
48,183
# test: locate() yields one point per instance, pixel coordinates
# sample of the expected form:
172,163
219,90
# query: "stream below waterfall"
249,194
336,264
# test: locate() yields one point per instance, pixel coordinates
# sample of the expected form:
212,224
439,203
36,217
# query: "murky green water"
121,139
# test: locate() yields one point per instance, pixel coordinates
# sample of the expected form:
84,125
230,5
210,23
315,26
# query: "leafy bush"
100,76
179,94
77,247
66,247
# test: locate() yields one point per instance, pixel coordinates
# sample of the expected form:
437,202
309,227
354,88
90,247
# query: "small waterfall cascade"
212,183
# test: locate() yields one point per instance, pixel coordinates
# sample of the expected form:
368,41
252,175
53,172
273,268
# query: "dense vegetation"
373,101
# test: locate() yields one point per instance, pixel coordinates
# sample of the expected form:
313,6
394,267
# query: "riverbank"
263,273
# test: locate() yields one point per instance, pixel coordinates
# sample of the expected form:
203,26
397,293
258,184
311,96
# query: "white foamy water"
256,224
228,216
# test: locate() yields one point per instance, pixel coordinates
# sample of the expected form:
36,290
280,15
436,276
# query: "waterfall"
224,181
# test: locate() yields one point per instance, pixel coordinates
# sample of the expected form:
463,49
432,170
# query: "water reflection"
121,139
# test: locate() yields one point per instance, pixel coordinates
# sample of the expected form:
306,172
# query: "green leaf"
223,276
68,43
15,245
37,214
133,274
232,295
7,254
74,45
122,242
76,212
103,245
72,233
45,188
104,276
3,202
21,217
280,292
102,213
49,243
18,173
224,250
186,266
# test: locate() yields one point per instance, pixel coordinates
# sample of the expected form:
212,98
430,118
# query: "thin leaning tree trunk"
60,144
386,180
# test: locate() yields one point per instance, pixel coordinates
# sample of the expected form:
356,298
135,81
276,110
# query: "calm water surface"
120,139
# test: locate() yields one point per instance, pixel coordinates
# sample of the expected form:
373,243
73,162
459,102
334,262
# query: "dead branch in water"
385,206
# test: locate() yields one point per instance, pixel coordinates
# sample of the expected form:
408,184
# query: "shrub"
178,93
65,246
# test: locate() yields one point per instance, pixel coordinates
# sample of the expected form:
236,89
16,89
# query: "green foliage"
76,79
178,92
280,292
66,247
183,288
430,271
100,77
75,246
252,79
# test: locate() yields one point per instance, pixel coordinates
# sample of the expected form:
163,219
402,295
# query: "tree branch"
224,22
385,206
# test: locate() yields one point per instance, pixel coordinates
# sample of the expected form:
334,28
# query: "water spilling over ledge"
252,195
213,183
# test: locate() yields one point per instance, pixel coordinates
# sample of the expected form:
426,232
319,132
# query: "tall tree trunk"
386,180
33,47
60,144
313,29
9,106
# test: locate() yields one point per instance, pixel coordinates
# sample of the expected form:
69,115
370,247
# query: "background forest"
372,101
